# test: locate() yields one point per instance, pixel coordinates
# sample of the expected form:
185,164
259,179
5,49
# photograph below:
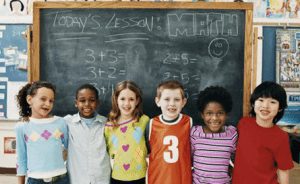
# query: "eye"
92,100
260,99
82,100
220,113
43,99
209,114
274,101
177,99
167,99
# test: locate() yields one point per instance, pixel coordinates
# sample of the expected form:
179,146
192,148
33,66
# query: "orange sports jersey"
170,157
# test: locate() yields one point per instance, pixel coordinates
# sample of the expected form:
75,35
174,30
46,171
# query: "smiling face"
127,102
214,117
266,109
86,103
171,103
41,103
218,48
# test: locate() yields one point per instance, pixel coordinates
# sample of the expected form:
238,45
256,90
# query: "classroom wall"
7,155
266,69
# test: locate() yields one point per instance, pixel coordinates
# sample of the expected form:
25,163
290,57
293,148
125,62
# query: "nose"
127,102
265,104
171,102
48,103
87,102
214,116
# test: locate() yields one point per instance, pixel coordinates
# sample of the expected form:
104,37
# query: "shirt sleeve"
21,150
192,139
65,138
283,154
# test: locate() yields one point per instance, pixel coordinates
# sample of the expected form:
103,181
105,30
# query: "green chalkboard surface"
105,45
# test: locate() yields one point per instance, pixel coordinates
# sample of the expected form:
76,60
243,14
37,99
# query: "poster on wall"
288,71
9,145
13,7
25,7
288,59
13,67
276,9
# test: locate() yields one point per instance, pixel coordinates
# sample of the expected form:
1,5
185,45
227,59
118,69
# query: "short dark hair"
214,94
269,89
90,87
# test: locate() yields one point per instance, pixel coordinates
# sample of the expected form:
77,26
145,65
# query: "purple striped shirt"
211,154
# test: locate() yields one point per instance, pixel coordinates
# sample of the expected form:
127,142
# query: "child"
40,137
214,143
124,134
263,153
88,161
169,137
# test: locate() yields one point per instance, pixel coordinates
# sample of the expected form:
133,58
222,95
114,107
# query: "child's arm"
147,138
21,179
21,153
283,176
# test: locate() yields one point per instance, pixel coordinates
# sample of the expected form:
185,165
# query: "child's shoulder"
72,117
144,118
100,118
21,124
196,128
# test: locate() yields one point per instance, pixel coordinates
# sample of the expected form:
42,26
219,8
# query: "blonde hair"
115,113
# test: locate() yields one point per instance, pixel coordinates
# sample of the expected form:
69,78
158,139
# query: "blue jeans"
62,180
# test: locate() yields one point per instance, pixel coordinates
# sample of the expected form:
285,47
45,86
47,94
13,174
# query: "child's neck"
169,120
264,124
123,119
41,117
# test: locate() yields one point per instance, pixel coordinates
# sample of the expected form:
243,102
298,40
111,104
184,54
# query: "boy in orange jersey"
169,143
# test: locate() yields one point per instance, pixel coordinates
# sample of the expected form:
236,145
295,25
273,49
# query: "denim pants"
63,180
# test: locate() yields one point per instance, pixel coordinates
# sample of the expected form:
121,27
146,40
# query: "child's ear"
157,101
137,102
184,102
201,115
28,99
75,103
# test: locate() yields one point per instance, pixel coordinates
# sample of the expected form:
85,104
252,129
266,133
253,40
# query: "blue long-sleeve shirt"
40,145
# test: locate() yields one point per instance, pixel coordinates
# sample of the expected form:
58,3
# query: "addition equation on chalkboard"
197,47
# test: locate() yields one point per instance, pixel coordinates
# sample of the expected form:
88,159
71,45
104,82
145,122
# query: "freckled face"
171,103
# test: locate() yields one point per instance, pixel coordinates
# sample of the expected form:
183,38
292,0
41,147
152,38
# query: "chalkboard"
199,44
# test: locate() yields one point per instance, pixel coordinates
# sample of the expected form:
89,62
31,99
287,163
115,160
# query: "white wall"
7,160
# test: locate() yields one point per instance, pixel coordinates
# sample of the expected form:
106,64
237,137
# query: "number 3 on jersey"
171,156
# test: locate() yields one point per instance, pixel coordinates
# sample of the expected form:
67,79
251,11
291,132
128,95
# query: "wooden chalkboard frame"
34,65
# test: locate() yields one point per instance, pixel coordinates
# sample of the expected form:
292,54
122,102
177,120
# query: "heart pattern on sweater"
125,147
123,129
126,166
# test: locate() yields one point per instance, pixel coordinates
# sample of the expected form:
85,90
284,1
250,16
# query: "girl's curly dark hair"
214,94
30,89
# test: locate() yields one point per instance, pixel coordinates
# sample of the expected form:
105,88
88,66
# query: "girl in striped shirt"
213,144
